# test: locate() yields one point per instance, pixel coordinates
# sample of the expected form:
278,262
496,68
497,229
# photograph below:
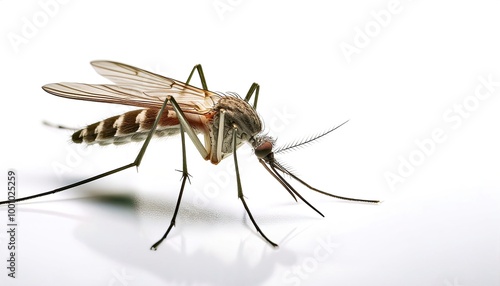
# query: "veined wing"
123,74
136,87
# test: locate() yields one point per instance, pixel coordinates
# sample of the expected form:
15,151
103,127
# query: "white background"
438,225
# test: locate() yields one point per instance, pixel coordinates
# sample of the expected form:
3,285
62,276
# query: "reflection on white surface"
105,239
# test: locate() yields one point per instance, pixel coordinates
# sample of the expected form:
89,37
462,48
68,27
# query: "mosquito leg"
240,191
188,129
199,69
255,88
58,126
185,176
135,163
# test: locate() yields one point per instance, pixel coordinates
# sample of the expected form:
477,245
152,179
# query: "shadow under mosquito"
177,261
117,235
113,199
163,209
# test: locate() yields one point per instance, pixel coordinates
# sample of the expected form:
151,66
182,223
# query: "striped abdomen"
134,126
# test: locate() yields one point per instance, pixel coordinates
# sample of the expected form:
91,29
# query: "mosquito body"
171,107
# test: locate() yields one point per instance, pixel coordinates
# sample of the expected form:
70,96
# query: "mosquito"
170,107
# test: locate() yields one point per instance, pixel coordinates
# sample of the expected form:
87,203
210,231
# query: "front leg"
240,189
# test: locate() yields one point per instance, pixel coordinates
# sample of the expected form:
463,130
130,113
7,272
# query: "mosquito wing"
136,87
123,74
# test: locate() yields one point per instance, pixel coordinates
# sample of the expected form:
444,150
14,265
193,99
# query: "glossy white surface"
438,226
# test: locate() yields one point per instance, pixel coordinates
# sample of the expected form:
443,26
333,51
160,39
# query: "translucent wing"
123,74
135,87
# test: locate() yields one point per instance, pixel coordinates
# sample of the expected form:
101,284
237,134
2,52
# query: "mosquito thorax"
238,112
231,113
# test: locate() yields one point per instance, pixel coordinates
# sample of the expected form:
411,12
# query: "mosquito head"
263,146
265,150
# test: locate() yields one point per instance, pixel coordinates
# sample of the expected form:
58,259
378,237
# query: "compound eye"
264,149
